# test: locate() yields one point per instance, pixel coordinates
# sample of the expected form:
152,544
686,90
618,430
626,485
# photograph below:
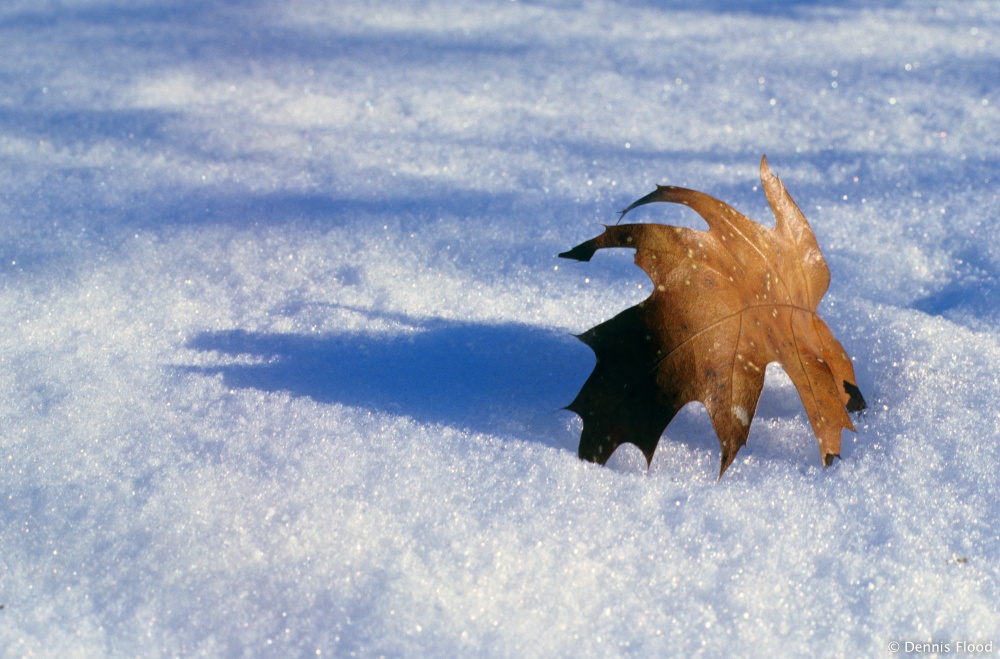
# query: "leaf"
725,304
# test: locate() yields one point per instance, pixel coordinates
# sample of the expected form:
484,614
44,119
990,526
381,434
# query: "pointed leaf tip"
655,195
582,252
765,170
727,460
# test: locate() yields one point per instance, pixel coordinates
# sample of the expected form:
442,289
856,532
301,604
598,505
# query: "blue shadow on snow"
494,378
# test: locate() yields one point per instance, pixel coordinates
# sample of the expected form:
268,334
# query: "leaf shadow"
505,379
971,298
782,8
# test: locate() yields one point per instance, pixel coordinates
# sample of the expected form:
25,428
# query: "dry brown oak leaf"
725,304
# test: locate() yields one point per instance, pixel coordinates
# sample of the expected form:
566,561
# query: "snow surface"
285,338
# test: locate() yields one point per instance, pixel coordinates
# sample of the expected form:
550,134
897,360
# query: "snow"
284,338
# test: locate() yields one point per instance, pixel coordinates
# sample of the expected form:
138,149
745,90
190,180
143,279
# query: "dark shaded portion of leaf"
828,460
620,401
582,252
857,401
